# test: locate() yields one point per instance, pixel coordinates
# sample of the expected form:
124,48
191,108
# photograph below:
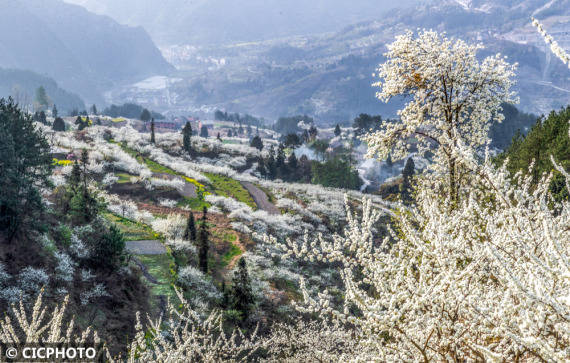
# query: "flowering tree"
487,280
556,49
453,97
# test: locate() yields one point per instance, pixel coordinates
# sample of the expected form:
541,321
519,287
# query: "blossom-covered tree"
454,98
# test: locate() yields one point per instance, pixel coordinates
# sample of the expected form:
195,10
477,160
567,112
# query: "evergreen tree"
240,129
42,117
226,298
186,137
242,293
257,143
109,251
25,167
204,131
219,137
261,169
145,115
230,133
53,111
271,164
406,186
152,139
203,247
58,124
94,110
280,159
83,204
190,231
292,162
337,130
249,130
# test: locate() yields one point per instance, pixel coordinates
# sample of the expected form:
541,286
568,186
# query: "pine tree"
292,163
152,139
242,293
42,99
203,237
58,125
42,117
190,231
219,137
230,133
186,137
54,111
25,164
337,130
94,110
271,164
280,158
257,143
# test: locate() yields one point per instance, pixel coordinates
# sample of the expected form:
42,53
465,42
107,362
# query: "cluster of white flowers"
169,203
126,208
95,292
172,227
65,267
174,183
109,179
194,280
554,46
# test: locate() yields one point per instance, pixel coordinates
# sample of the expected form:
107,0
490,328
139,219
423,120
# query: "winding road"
260,198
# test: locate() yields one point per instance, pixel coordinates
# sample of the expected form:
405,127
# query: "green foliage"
152,138
337,130
58,124
190,231
109,252
336,172
131,230
25,166
186,136
204,244
320,146
547,137
365,123
257,143
288,125
129,110
228,187
292,140
242,293
501,134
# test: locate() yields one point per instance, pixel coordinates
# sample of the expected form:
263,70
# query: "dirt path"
145,247
189,189
260,198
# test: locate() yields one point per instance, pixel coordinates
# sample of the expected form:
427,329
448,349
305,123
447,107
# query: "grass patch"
133,231
193,203
124,178
160,267
228,256
228,187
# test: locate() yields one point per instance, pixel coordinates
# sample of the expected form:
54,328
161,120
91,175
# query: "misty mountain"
84,52
203,22
329,76
22,85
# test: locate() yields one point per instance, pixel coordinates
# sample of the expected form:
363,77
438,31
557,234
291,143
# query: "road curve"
260,198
